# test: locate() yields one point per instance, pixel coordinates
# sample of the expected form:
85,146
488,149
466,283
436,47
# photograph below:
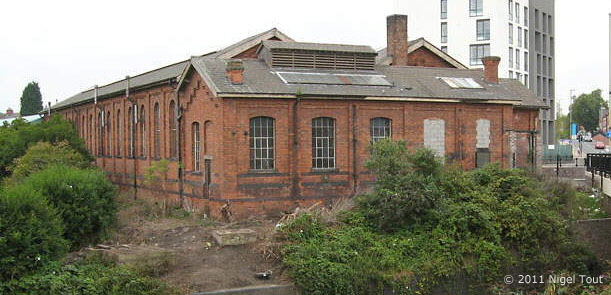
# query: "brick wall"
224,136
423,57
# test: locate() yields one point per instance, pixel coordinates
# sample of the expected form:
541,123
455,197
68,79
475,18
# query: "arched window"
130,131
262,143
207,130
381,128
109,134
142,131
101,133
173,129
119,132
157,131
323,143
195,146
90,134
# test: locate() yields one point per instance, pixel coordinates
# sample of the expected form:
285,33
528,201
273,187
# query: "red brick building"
269,123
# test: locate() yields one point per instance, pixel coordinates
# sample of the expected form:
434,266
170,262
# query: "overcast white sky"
68,46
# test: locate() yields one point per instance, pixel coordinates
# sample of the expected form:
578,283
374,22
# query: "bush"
85,200
30,232
88,277
43,154
423,227
406,185
17,137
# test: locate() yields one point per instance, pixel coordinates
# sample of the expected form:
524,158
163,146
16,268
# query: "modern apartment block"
521,32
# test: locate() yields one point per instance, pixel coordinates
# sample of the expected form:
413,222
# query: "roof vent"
317,56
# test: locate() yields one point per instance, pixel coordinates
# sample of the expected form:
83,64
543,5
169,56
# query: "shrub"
42,154
17,137
30,232
406,185
85,200
423,228
88,277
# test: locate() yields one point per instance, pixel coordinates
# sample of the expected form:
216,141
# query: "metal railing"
599,163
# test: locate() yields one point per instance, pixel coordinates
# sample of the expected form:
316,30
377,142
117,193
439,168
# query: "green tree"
562,125
585,109
31,99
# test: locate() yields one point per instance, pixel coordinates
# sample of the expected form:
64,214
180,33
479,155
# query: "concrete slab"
255,290
234,237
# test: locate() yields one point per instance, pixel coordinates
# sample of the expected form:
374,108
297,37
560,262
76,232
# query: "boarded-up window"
482,154
434,136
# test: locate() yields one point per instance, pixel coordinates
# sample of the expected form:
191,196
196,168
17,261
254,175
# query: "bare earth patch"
198,263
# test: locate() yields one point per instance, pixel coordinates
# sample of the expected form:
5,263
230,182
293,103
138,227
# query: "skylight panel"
464,83
332,79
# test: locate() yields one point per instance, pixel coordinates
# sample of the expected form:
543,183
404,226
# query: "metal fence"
562,153
599,163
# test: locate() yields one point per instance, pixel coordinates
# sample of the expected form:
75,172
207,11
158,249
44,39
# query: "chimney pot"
235,71
491,69
396,39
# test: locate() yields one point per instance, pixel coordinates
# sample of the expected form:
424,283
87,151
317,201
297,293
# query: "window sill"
195,173
324,170
262,171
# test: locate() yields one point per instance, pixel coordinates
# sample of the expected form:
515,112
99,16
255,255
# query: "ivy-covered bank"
428,227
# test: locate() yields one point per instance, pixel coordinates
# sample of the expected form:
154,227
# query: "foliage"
88,277
30,232
84,199
585,109
43,154
16,138
562,126
31,99
405,188
424,228
156,172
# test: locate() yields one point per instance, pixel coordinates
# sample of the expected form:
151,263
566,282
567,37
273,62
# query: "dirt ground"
199,264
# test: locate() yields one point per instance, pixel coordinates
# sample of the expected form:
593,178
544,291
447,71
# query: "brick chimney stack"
491,69
235,71
396,39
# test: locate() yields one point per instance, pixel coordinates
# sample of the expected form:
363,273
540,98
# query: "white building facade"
521,32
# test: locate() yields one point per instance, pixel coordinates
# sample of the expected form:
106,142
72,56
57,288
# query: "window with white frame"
526,61
476,7
444,32
381,128
444,9
517,12
510,34
525,16
323,143
262,142
195,146
519,37
510,55
483,29
517,59
477,52
510,8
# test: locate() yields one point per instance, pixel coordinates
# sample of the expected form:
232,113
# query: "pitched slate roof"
167,73
407,83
